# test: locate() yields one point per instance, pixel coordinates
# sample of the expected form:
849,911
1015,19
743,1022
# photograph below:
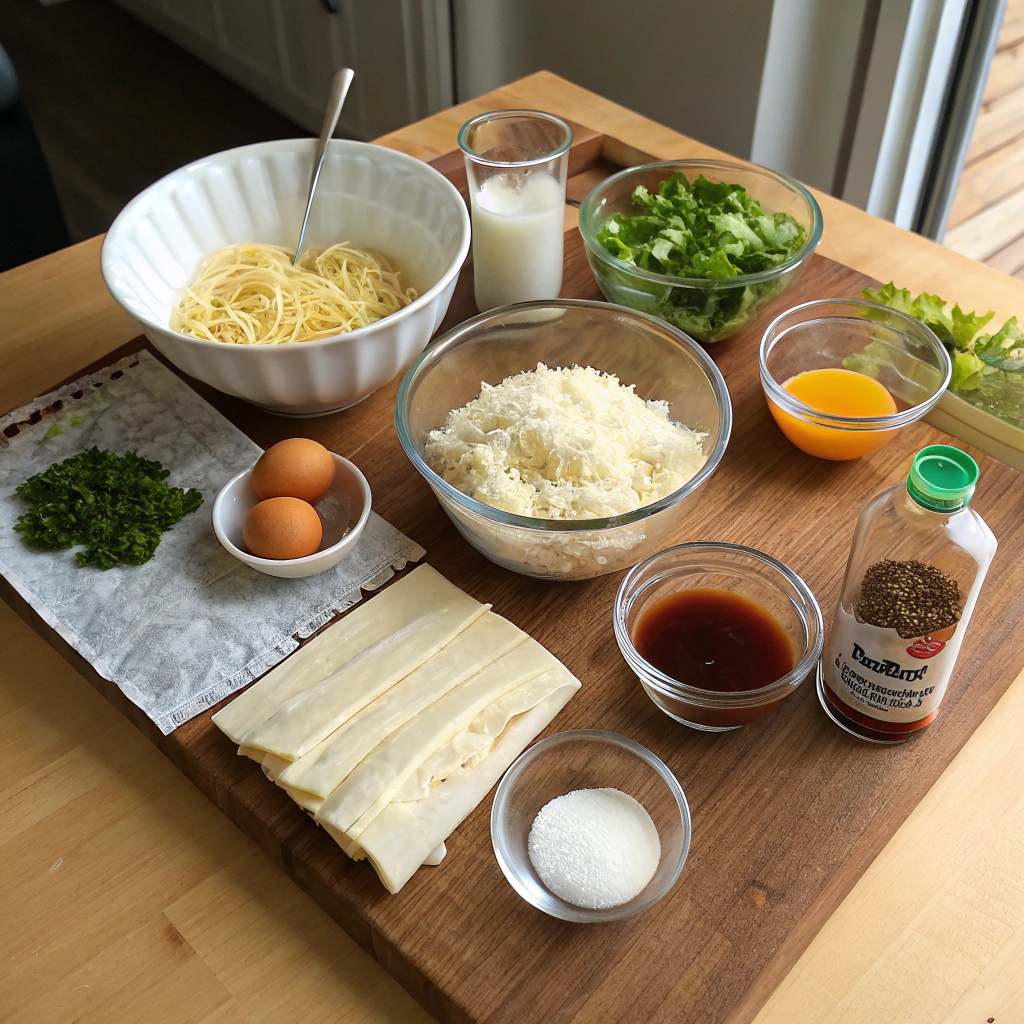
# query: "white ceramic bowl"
346,506
370,196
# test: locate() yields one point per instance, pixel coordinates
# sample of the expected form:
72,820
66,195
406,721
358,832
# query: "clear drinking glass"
516,166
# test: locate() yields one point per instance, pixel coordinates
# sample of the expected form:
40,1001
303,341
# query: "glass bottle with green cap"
918,560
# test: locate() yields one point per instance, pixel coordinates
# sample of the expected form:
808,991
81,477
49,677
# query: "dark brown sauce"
715,640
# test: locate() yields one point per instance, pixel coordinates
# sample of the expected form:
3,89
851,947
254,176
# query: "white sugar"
594,848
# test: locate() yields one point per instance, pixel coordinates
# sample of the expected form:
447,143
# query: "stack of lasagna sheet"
392,725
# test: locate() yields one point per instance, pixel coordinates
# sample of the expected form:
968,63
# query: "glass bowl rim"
499,810
810,616
456,336
863,424
588,210
501,115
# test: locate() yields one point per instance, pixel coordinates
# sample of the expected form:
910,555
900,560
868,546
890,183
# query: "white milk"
517,239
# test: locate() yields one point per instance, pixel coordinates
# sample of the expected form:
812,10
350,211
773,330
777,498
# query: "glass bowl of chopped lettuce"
702,244
565,439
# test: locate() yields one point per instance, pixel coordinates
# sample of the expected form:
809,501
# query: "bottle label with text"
878,673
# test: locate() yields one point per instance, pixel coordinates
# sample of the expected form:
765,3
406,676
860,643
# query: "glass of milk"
516,166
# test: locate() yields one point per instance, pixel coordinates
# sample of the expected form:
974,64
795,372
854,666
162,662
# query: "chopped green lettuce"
706,230
988,369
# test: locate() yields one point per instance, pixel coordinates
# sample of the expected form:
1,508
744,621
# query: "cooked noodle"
252,294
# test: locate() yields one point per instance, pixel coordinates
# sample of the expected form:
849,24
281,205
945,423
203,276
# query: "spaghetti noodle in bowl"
372,198
253,294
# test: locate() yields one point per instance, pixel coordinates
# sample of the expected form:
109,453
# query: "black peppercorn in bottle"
917,563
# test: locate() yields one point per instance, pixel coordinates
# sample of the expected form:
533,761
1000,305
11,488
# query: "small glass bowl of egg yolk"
841,376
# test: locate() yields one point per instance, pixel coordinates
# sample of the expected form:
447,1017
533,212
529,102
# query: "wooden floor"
116,105
987,221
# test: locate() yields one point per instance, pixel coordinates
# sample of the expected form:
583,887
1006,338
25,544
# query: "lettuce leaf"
966,325
967,372
706,230
1003,350
988,369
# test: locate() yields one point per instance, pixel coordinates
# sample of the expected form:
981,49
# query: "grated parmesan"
564,443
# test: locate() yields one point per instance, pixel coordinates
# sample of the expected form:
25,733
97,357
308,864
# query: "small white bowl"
343,510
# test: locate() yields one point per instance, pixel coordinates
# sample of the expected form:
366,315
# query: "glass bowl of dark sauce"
718,634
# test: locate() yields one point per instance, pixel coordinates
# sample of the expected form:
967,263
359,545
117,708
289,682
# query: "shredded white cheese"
565,443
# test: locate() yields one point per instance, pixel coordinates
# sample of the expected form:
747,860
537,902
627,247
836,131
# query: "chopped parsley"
117,506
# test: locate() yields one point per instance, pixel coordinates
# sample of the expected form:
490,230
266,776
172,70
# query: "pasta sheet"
321,770
401,604
474,743
403,835
314,713
373,783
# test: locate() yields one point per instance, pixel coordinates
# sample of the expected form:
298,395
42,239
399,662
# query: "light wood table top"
125,895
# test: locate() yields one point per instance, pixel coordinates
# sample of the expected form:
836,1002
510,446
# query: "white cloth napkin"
193,624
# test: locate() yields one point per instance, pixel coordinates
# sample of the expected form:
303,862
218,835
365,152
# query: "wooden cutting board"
787,813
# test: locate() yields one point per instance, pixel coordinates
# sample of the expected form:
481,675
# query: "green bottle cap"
942,478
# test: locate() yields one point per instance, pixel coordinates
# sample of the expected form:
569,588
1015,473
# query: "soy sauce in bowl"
718,634
713,639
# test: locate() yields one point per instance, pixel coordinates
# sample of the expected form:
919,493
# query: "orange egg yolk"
836,392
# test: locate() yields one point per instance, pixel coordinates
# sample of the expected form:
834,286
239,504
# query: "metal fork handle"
336,100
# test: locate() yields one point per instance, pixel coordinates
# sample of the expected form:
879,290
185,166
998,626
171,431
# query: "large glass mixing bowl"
661,362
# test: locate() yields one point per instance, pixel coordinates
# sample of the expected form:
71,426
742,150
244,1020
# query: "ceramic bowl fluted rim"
113,238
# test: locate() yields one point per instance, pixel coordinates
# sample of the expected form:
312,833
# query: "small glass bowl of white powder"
590,826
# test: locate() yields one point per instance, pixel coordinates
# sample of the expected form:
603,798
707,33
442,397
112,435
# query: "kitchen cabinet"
285,51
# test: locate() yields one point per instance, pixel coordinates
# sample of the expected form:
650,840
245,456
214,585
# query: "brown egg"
282,528
294,468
